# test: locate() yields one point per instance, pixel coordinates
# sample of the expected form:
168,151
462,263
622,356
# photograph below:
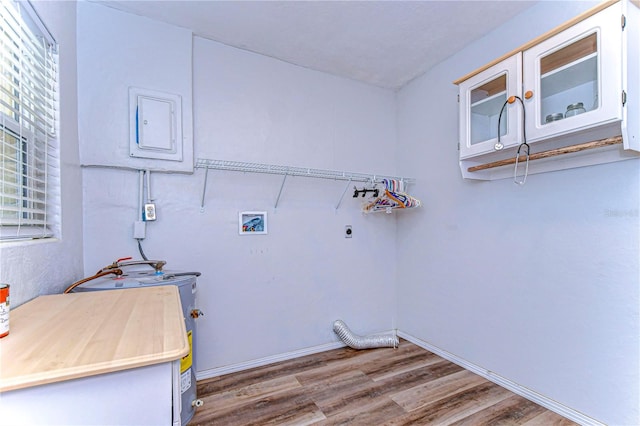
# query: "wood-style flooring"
385,386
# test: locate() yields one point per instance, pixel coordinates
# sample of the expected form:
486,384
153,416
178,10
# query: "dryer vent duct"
364,342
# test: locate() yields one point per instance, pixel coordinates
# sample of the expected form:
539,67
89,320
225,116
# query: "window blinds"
29,163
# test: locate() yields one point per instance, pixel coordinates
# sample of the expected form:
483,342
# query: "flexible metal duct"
364,342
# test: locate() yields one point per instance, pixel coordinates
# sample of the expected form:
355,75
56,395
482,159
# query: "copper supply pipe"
117,272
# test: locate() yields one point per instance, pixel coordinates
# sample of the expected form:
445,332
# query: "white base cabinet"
139,396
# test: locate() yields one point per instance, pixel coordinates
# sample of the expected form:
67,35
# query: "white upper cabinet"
481,100
572,92
575,77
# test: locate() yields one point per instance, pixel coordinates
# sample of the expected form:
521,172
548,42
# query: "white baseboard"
214,372
533,396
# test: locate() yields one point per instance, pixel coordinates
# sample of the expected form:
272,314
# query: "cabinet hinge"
458,97
623,22
624,98
458,146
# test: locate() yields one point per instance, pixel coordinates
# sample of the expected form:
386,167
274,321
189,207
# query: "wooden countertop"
67,336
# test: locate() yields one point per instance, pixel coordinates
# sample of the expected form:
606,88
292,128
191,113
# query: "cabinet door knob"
511,99
528,94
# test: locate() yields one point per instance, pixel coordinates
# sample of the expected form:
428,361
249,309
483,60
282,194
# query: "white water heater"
186,283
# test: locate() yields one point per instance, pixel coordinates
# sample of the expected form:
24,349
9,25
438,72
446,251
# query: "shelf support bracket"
204,189
280,192
343,192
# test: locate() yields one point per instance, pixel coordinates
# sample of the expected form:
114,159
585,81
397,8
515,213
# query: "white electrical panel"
156,124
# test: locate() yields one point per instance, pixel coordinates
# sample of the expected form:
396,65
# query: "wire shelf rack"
239,166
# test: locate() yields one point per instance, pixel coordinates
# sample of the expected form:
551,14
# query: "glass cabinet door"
574,78
481,99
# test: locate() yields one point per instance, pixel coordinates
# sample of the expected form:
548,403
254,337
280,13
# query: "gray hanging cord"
499,145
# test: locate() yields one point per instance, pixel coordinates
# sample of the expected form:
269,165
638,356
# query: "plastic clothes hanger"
392,198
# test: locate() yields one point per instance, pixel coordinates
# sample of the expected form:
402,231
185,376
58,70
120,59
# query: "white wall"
117,51
266,295
537,283
45,267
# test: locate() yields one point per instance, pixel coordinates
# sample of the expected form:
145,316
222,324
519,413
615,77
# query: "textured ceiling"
384,43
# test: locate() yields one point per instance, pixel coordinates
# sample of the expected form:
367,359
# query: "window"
29,164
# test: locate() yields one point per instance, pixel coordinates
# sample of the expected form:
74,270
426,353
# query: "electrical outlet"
149,212
348,231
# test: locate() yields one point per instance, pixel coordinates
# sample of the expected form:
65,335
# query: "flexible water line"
144,256
364,342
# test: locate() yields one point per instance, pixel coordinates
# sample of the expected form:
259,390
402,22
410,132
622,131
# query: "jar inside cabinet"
482,98
569,80
574,77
